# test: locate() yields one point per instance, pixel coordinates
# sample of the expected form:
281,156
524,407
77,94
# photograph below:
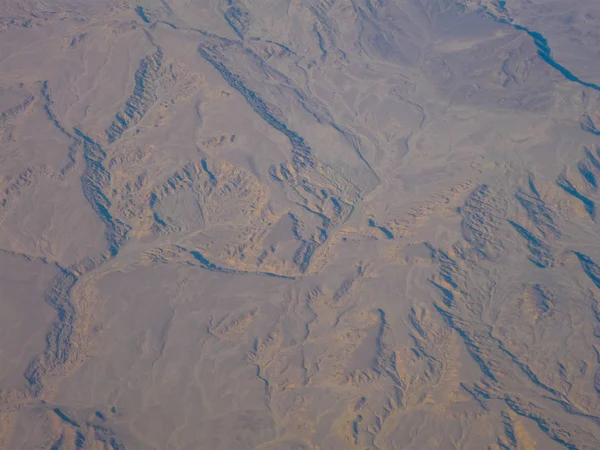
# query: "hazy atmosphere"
299,224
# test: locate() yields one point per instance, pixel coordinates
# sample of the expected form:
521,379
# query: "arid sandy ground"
299,224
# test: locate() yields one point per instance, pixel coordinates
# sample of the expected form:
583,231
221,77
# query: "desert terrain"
299,224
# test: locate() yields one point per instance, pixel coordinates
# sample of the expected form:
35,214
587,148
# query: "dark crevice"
545,52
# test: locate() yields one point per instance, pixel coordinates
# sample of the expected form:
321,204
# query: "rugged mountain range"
299,224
